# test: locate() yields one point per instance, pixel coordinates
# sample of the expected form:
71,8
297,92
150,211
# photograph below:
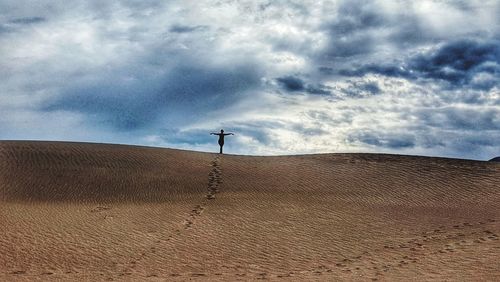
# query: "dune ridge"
84,211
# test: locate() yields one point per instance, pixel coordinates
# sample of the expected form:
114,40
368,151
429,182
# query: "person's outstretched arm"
228,133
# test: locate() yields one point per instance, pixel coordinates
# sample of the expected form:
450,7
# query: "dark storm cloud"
457,140
385,140
471,143
360,29
184,94
429,141
356,16
409,30
326,70
186,28
454,118
474,142
28,20
387,70
318,89
362,89
17,23
456,63
371,87
456,129
349,46
295,84
349,34
291,83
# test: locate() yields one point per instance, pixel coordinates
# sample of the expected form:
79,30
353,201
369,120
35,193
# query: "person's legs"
221,143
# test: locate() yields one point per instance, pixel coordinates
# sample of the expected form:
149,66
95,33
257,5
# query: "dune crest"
100,211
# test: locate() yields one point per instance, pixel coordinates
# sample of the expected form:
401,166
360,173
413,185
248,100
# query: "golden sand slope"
78,211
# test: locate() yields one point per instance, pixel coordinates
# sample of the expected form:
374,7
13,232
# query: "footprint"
47,273
100,208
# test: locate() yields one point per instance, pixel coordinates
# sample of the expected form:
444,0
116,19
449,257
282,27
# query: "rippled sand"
77,211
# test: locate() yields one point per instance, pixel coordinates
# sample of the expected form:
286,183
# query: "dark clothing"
221,142
221,139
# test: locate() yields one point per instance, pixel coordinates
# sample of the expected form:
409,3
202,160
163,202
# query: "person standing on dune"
221,138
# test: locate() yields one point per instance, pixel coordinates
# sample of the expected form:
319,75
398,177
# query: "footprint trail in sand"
214,180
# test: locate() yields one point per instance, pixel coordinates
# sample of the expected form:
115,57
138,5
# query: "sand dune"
77,211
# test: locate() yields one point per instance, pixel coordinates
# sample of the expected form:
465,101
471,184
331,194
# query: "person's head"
222,131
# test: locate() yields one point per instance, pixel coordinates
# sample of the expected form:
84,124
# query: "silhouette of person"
221,138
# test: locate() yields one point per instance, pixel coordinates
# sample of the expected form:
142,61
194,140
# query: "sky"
287,77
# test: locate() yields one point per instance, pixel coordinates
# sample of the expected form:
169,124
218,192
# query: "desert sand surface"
95,212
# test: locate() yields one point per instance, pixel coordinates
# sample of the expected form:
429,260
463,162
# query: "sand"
80,211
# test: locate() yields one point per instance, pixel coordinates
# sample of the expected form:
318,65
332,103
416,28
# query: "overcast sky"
287,77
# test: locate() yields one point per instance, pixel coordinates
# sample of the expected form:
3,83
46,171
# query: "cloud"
122,103
361,88
349,34
462,63
387,70
295,84
17,23
287,76
28,20
291,83
456,118
458,61
385,140
355,16
189,137
186,29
